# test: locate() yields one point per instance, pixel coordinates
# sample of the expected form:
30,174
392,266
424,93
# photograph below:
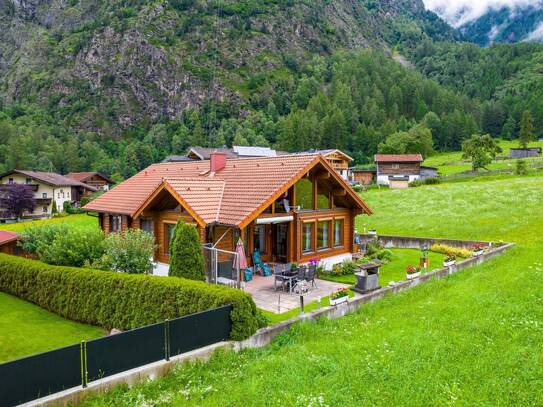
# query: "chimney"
217,161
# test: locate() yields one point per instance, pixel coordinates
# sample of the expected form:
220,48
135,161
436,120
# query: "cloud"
537,34
459,12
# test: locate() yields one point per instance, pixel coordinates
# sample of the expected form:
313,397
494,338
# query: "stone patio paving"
265,297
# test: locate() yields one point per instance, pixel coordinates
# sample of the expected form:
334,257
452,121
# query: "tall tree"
17,199
480,150
526,133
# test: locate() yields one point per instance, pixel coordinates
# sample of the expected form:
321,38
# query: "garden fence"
46,373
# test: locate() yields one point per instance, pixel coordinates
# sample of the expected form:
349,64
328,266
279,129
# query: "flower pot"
449,263
478,252
413,276
339,300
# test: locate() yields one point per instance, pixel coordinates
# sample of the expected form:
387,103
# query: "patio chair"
248,274
260,266
279,277
310,274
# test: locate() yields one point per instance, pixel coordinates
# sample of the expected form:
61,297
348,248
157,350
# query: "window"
338,232
395,166
10,181
29,181
67,194
307,237
44,195
259,238
115,223
58,195
323,198
169,230
62,193
147,226
304,194
323,235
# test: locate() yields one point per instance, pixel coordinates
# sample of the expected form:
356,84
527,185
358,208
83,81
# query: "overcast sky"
458,12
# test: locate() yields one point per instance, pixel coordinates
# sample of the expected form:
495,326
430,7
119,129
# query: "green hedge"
118,300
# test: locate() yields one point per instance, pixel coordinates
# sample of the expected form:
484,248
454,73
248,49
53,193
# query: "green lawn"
82,220
27,329
452,163
395,269
474,338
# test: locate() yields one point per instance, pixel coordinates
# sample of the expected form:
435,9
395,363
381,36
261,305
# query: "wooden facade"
312,217
398,168
363,177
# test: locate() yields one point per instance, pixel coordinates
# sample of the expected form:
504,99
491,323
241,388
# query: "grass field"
82,220
452,163
473,338
27,329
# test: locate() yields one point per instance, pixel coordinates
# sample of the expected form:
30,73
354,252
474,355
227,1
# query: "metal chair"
310,275
278,276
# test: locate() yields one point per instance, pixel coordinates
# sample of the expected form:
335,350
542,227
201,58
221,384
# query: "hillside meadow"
473,338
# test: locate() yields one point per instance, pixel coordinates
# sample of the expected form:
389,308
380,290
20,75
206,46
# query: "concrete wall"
408,242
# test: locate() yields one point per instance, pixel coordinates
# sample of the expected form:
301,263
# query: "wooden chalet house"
291,208
92,178
397,170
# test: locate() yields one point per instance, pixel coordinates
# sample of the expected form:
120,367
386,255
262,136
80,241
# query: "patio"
265,297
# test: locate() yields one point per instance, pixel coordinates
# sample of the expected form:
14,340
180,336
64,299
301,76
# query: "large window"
338,232
307,237
147,225
323,235
169,229
304,193
259,238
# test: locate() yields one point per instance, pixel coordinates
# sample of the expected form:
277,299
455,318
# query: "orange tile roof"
229,197
405,158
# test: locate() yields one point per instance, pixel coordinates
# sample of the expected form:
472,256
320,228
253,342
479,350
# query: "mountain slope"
107,66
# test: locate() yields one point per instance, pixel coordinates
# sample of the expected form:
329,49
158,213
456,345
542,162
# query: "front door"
280,238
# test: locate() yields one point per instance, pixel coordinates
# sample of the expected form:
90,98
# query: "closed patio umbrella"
240,259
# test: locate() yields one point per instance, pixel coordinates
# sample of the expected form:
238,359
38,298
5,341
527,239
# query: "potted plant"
478,249
339,296
450,260
413,272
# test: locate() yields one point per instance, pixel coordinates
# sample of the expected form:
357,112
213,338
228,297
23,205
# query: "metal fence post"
84,370
167,339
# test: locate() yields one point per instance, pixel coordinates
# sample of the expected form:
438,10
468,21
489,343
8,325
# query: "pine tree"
526,129
186,259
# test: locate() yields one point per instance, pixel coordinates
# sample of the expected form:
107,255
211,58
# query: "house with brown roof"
290,208
92,178
397,170
48,187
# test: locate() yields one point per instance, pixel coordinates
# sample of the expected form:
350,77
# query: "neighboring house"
94,179
428,172
524,152
291,208
337,158
201,153
48,187
8,243
362,176
397,170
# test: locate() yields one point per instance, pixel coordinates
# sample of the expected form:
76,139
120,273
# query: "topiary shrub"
186,258
54,209
120,300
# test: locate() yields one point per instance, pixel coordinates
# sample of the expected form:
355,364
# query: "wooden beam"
339,192
323,175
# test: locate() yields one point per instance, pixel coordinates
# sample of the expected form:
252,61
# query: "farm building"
524,152
8,243
362,176
398,170
94,179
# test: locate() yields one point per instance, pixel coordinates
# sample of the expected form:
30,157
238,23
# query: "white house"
397,170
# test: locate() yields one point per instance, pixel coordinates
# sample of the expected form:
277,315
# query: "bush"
54,209
186,259
62,245
128,252
424,181
347,267
521,168
119,300
452,251
68,208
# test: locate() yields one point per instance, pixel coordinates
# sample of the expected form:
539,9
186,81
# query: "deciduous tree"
480,150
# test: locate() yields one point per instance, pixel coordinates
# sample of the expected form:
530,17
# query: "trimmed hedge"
119,300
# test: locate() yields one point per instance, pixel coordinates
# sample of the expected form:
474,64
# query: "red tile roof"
394,158
232,195
6,237
83,176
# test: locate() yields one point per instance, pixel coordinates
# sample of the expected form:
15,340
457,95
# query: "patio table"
290,277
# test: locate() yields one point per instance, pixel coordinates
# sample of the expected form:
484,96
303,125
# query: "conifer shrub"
121,300
186,258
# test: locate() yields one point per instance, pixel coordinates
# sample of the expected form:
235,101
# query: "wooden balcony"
43,201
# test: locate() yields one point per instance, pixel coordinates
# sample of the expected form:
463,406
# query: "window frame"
326,242
260,239
311,225
341,242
